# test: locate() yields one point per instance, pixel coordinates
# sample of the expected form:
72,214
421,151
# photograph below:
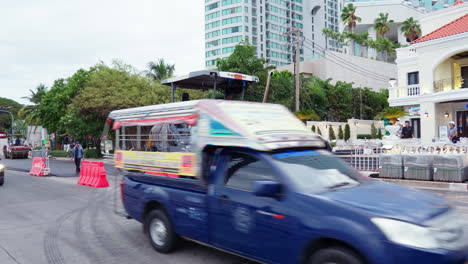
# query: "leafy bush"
37,148
340,132
364,136
111,151
59,153
331,133
333,144
92,153
347,132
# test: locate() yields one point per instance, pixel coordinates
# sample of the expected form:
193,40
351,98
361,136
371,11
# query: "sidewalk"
443,186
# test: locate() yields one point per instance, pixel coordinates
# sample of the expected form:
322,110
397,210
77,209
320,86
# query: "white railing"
407,91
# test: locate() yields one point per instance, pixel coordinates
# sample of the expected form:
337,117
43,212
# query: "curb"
445,186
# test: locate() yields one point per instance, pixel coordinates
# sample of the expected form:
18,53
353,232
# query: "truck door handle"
223,198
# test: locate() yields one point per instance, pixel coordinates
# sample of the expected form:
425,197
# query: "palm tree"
349,18
382,24
36,96
305,115
30,113
411,29
160,70
391,113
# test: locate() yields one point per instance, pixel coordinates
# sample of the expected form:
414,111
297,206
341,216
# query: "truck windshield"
317,171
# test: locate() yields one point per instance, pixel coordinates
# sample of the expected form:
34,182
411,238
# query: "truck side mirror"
266,188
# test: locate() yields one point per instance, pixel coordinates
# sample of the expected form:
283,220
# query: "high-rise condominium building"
262,22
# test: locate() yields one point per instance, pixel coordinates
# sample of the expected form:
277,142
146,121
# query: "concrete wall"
335,69
356,126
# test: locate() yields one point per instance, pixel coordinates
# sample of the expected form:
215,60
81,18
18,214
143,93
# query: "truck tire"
161,232
338,255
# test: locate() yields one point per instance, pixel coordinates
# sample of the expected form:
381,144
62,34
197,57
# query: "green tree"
340,101
382,24
30,113
373,131
347,132
411,29
340,133
331,133
281,89
244,60
55,101
349,18
106,90
5,119
160,70
20,128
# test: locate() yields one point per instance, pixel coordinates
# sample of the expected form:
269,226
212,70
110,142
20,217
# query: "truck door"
242,222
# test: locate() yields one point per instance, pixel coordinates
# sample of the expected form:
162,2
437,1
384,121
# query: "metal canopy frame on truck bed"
229,82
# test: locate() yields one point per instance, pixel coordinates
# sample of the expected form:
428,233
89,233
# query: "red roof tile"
455,27
459,2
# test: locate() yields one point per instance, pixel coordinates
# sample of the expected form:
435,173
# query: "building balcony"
449,84
406,91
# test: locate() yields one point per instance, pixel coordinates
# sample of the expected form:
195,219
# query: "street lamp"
12,118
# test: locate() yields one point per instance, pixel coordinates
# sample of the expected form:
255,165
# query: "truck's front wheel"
160,232
338,255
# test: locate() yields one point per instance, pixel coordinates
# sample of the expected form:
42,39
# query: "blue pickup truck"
295,206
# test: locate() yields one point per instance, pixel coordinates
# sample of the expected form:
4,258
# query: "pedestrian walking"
452,133
78,154
407,131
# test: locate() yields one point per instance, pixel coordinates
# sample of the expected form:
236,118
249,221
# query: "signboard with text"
177,163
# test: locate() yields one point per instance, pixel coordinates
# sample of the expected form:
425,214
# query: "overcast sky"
43,40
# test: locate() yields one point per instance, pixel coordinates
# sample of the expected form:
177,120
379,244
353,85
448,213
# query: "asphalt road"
53,220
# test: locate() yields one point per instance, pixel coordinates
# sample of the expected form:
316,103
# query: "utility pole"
267,88
297,59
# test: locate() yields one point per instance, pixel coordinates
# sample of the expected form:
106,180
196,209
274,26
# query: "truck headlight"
2,167
406,234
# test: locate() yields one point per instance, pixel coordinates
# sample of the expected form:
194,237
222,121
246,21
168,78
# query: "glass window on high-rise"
212,6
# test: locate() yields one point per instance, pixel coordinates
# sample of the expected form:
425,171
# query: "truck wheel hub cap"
158,232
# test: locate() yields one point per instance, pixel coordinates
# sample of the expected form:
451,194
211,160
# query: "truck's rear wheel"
337,255
160,232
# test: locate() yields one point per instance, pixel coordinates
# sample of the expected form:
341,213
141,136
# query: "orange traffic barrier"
38,168
93,174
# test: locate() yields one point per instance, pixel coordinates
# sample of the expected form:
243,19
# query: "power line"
353,66
351,69
346,62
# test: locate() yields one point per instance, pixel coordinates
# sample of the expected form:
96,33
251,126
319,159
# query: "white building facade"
433,75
